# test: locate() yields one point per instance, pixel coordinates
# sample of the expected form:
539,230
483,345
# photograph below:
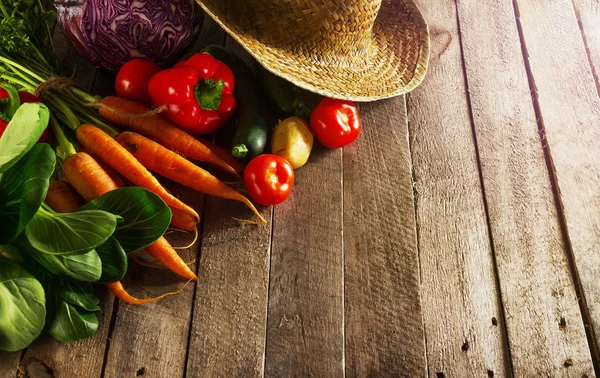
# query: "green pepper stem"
208,93
240,151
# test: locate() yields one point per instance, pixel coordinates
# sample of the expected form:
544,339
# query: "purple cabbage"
108,33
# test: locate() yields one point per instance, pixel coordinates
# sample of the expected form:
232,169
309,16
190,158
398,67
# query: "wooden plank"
544,328
9,362
230,309
460,296
305,330
384,328
588,14
569,110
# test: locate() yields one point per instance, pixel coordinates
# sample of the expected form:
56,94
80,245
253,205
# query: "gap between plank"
198,258
268,290
415,199
484,197
587,49
592,343
343,275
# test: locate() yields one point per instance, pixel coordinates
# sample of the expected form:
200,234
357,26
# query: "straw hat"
360,50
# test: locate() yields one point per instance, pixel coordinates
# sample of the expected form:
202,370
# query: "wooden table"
458,237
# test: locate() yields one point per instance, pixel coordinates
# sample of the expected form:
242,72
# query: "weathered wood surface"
588,14
433,246
543,322
305,329
9,362
460,294
383,318
569,108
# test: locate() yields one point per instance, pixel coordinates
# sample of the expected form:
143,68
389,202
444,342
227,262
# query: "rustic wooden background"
458,237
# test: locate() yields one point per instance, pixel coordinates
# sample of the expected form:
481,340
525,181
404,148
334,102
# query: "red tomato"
335,122
132,80
269,179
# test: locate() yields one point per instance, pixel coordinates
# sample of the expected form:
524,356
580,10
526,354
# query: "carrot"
119,291
106,149
158,128
183,220
63,198
169,164
91,181
224,154
162,251
87,176
114,175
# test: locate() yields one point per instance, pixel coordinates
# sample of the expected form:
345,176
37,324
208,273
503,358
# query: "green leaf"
79,294
22,132
146,216
22,306
85,267
70,233
72,323
25,185
114,261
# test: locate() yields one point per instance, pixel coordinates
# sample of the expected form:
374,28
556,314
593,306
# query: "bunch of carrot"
111,156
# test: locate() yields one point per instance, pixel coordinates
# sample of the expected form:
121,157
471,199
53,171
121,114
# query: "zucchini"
254,121
283,93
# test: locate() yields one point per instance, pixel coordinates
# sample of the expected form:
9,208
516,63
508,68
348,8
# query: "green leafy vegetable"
114,261
72,323
22,132
85,267
79,294
25,185
70,233
146,216
22,306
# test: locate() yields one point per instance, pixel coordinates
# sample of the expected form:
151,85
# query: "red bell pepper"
198,93
10,100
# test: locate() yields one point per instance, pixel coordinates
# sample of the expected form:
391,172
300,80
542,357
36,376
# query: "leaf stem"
66,147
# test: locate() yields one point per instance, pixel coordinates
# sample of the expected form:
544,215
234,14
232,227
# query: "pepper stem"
208,93
239,151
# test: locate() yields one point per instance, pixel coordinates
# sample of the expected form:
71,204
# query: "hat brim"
394,63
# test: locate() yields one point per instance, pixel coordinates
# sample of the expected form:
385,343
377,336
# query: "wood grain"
544,323
384,321
9,362
230,309
459,291
569,111
305,325
588,14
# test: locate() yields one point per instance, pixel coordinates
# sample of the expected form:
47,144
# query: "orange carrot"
119,291
91,181
107,150
115,110
87,176
169,164
183,220
162,251
114,175
224,154
63,198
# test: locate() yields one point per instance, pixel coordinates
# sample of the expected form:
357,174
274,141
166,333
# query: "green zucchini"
254,121
283,93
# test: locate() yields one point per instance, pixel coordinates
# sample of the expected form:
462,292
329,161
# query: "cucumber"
254,120
283,93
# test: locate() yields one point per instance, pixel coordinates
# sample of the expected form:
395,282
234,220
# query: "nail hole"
494,321
439,375
562,324
490,374
465,346
140,372
568,362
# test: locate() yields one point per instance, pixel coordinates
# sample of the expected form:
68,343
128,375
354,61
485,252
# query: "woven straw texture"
361,50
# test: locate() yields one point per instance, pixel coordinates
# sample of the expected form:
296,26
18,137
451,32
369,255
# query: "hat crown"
323,27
